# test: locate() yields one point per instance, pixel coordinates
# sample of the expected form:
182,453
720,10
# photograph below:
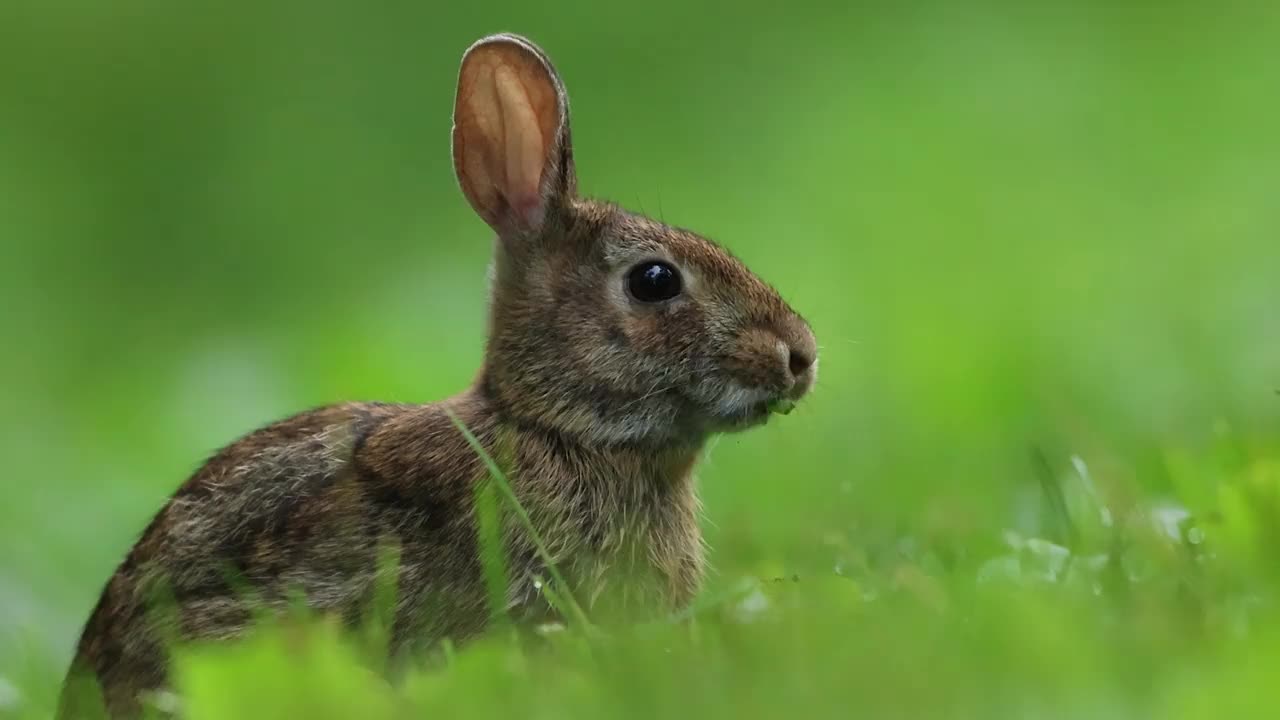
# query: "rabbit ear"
511,147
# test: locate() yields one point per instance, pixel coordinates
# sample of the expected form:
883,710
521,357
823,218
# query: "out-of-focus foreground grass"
1040,247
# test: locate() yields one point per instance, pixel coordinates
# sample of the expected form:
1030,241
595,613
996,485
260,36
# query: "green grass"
1039,474
1153,614
494,497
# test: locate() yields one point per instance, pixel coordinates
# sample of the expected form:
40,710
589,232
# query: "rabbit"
616,347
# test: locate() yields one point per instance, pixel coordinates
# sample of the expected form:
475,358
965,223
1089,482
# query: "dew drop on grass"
752,606
1167,518
550,628
1048,558
164,701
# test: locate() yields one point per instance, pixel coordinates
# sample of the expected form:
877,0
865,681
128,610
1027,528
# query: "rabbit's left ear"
511,148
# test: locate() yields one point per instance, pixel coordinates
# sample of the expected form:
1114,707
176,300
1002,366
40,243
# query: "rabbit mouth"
742,407
744,418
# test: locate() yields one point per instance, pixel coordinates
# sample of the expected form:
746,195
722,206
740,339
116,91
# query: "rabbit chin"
740,407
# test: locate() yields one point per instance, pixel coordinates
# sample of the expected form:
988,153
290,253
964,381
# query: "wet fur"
597,408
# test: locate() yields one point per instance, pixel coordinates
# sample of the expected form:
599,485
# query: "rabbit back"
298,507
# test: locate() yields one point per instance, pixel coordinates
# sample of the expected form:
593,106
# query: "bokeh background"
1034,239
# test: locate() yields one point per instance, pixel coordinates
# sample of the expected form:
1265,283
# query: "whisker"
848,341
651,393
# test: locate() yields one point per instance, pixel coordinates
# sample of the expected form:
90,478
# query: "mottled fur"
597,405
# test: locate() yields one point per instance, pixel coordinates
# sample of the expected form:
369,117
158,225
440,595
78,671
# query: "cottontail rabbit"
616,346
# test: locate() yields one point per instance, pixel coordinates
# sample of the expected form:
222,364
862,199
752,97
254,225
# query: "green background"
1019,230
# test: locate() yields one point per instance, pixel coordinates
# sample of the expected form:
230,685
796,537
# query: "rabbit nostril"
799,362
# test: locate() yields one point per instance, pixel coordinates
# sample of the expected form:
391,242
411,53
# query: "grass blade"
499,480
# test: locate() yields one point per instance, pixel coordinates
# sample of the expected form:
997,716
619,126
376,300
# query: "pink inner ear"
522,147
506,122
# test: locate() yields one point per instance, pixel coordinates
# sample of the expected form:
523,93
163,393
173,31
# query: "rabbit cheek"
616,337
656,331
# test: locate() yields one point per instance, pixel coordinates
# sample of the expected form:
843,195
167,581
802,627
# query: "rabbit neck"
610,510
601,420
625,464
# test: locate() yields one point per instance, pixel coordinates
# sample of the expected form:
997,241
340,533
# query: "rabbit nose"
802,351
799,361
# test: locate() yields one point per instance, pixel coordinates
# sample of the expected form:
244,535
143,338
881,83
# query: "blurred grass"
1017,229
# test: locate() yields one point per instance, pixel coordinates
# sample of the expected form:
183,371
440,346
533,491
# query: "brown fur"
597,406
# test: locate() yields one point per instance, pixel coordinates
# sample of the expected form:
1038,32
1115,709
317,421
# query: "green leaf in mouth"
782,406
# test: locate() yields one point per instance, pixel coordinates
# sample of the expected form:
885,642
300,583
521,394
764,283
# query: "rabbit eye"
653,281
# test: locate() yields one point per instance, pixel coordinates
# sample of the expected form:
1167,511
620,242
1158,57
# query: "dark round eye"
653,281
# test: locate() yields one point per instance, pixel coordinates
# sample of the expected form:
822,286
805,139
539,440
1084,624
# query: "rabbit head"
605,325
